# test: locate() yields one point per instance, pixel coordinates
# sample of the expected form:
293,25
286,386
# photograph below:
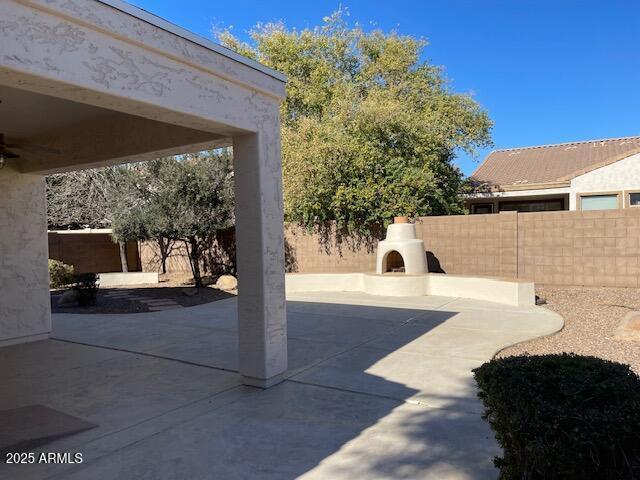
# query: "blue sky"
547,71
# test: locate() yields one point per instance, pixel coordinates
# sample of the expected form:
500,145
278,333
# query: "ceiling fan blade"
7,153
28,147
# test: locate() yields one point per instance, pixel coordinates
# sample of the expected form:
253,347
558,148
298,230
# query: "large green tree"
204,204
142,208
187,199
369,129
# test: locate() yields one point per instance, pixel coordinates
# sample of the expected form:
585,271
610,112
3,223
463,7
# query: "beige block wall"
482,245
91,252
317,253
218,257
556,248
150,258
598,248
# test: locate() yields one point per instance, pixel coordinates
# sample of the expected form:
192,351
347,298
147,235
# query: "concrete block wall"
177,262
597,248
483,245
91,252
316,253
600,248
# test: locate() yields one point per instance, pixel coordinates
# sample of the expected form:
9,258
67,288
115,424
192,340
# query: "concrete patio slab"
28,427
122,331
496,320
327,327
416,443
452,342
117,391
314,425
375,389
436,381
347,303
220,350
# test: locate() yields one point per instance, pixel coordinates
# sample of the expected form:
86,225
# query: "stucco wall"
622,175
119,62
24,309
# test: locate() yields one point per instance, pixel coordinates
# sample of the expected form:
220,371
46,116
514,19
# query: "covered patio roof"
100,82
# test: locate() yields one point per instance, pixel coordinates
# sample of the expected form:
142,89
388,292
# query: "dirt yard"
591,316
176,288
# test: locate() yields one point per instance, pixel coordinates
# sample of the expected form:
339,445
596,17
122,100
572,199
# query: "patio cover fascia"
165,91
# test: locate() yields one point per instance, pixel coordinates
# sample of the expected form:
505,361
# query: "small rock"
189,292
629,327
227,283
68,299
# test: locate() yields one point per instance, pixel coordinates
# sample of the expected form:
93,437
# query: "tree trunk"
163,253
194,257
123,256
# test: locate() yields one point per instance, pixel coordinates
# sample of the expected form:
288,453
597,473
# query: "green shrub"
563,417
86,284
60,274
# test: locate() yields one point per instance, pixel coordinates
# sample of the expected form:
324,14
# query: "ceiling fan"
7,150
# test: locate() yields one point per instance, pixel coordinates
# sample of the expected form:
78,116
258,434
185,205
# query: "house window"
634,199
599,202
480,208
549,205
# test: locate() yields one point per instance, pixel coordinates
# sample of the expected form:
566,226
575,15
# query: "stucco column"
262,325
25,312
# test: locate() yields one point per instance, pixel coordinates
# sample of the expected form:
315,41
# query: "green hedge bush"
563,417
60,274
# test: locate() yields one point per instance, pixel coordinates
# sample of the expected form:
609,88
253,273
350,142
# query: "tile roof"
552,163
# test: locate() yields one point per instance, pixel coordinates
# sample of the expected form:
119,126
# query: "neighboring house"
590,175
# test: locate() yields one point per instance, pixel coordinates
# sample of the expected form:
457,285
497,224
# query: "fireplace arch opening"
393,262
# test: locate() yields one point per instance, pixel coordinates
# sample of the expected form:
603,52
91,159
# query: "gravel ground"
591,315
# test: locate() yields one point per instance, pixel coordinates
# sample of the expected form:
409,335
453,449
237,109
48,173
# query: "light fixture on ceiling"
7,150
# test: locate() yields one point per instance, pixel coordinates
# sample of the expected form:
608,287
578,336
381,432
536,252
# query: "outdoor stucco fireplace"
401,271
401,251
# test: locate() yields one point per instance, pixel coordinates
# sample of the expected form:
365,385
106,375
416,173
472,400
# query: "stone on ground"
227,283
629,328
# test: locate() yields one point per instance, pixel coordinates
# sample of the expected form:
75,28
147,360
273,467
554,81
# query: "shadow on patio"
375,390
